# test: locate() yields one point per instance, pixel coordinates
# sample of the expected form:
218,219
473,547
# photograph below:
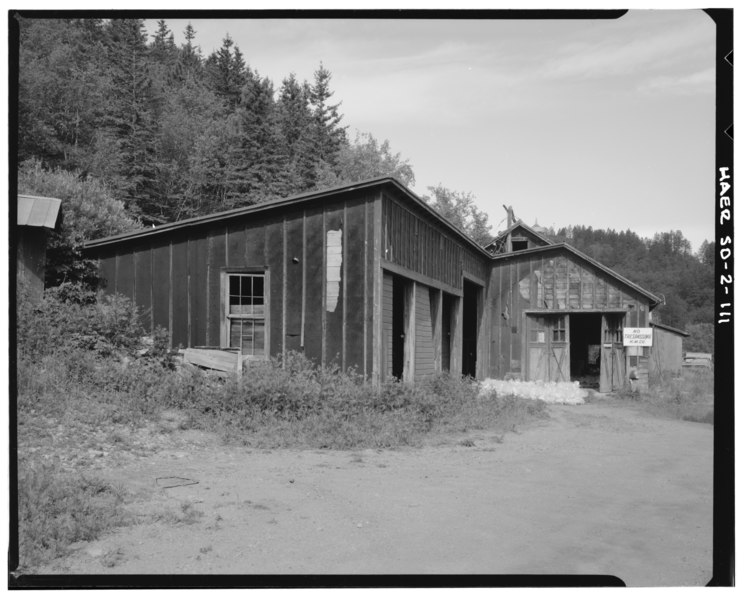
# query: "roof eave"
284,202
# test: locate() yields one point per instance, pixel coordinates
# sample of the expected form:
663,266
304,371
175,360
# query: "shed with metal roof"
36,217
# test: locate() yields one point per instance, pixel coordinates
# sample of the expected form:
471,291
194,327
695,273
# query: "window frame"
226,318
559,327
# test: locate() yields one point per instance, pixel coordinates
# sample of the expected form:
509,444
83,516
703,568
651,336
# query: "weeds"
687,397
56,510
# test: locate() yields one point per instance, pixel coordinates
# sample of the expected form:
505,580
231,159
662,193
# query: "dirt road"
597,489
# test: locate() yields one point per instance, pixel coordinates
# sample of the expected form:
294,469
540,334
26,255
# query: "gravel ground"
600,488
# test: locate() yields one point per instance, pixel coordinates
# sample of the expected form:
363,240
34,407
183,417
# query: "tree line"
174,134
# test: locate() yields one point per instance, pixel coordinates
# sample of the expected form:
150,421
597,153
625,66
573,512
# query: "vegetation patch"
57,509
688,396
88,381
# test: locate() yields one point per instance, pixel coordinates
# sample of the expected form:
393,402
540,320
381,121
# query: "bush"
71,318
295,403
88,210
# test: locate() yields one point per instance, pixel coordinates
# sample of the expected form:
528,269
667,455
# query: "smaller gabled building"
558,315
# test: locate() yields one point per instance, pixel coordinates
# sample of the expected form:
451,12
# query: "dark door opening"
470,317
399,326
586,339
448,307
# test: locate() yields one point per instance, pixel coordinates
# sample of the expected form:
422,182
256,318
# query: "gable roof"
35,211
520,225
557,247
311,197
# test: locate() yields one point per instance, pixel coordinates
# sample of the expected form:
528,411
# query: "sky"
603,123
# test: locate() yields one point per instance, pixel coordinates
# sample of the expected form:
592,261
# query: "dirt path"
597,489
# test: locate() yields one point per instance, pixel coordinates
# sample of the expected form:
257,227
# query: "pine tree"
60,91
226,72
328,134
130,122
259,167
190,63
295,124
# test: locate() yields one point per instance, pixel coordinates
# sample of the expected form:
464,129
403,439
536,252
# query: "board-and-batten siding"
555,282
176,280
416,242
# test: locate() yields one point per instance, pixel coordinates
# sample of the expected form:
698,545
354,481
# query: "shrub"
297,403
89,211
70,318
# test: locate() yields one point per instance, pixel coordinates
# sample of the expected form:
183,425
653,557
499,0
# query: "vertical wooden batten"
365,303
284,288
170,294
377,358
304,280
188,293
344,266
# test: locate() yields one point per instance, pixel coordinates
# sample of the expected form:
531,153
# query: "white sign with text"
637,336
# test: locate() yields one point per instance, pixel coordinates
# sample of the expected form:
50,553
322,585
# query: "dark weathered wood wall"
666,353
31,260
553,282
175,278
418,247
417,243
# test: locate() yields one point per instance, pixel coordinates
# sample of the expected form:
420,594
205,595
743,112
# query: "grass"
57,509
688,396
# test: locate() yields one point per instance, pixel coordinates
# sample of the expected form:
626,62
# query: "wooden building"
558,315
369,276
36,217
666,351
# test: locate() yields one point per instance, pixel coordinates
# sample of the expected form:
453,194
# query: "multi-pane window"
245,311
559,329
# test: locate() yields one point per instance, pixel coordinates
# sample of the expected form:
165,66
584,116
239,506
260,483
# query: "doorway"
470,318
586,341
399,326
449,304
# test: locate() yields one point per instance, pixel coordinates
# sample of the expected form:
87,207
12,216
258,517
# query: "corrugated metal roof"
34,211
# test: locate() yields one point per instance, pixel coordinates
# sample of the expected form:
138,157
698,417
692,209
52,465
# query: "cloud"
702,81
637,46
